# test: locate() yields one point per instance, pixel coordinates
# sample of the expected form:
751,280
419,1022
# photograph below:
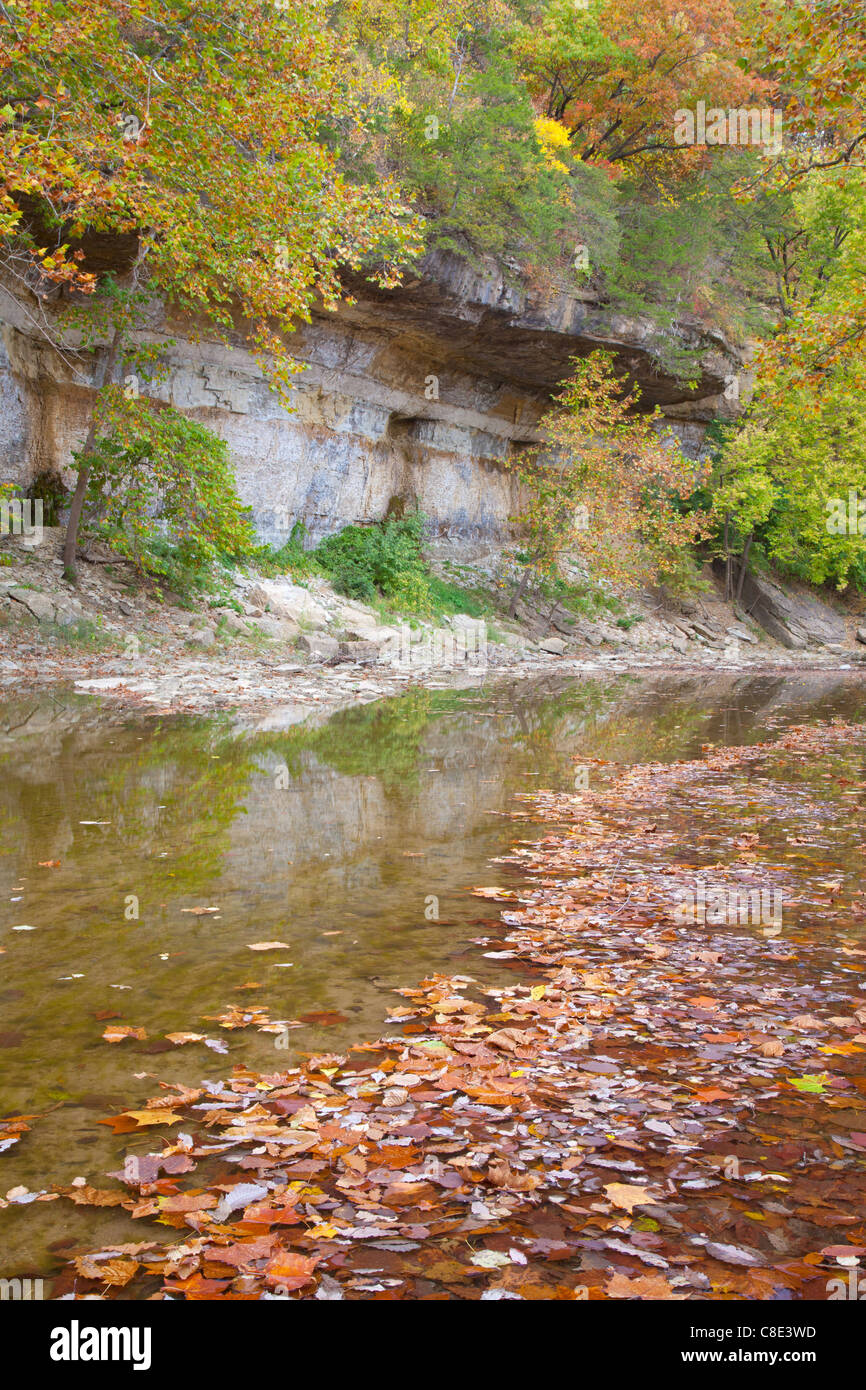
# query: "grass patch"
586,600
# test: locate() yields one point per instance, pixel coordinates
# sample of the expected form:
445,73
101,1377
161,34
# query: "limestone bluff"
411,396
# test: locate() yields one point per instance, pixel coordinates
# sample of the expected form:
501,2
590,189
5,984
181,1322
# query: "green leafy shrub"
290,558
386,558
162,493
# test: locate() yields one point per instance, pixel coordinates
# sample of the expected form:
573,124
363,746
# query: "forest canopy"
697,163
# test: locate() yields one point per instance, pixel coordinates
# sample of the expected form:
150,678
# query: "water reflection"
335,838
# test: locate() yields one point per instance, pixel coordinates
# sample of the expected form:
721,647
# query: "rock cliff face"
413,395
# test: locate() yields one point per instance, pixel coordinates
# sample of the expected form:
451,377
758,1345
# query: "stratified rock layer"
416,395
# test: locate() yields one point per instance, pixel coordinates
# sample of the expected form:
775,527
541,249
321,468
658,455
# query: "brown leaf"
289,1270
650,1286
115,1273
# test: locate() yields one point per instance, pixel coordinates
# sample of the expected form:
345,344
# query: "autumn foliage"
603,487
194,131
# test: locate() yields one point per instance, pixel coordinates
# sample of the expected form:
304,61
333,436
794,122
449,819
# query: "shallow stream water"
352,841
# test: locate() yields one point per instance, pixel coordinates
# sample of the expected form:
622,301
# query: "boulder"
284,600
554,645
206,637
231,619
67,615
562,620
40,605
318,647
366,653
796,619
275,628
382,636
861,634
589,634
743,633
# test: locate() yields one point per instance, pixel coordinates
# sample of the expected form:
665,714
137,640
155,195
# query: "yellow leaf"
626,1195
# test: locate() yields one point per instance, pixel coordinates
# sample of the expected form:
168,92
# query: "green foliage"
789,473
447,597
385,559
289,558
482,179
696,253
383,563
785,474
162,493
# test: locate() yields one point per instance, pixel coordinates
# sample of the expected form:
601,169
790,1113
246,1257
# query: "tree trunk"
518,594
728,584
744,567
104,373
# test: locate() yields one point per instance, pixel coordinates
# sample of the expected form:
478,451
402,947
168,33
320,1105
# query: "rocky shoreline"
277,645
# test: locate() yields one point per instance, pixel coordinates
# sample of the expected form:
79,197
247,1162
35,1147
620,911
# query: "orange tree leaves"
201,131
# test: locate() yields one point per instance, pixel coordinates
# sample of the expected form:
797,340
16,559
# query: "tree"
815,50
615,72
191,134
161,492
604,485
792,476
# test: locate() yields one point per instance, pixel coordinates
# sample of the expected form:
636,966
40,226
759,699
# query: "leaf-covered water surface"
668,1102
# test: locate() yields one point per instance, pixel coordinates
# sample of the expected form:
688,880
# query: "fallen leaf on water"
184,1201
129,1120
490,1259
115,1273
289,1270
196,1286
814,1084
87,1196
116,1032
644,1286
626,1195
733,1254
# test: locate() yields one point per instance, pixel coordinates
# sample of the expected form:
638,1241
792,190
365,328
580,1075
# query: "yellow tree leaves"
177,126
605,485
